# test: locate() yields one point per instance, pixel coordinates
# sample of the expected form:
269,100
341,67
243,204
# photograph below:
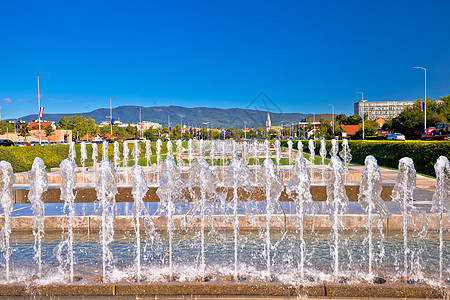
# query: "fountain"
369,198
126,153
148,152
136,152
323,154
336,205
72,152
273,187
267,148
6,200
106,189
83,158
170,193
278,154
179,153
312,156
204,230
334,148
190,152
158,153
38,185
94,156
403,195
169,146
202,188
237,176
298,188
299,149
441,201
68,196
116,154
105,148
290,143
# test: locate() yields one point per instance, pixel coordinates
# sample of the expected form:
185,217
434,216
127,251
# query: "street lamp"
425,99
332,113
362,99
39,106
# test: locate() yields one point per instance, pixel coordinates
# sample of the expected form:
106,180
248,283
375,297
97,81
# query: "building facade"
381,109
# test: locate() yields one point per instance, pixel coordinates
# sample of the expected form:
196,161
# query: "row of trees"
410,122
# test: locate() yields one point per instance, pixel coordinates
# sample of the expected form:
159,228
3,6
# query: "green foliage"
388,153
80,125
24,131
6,126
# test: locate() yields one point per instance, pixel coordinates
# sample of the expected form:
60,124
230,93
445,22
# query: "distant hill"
216,117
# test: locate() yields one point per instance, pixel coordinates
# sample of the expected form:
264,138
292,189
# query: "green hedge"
388,153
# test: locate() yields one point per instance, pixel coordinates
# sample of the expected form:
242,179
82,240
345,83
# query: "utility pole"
425,99
363,106
39,107
332,114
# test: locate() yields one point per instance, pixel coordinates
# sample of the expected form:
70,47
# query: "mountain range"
196,117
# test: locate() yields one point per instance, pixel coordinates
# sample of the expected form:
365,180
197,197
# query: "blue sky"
303,54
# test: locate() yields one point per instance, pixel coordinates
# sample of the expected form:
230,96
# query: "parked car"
6,143
396,137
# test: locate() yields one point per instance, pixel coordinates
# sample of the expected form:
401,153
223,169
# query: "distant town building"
350,130
381,109
317,118
268,122
144,125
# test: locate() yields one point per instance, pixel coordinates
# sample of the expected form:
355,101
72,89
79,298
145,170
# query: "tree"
79,124
6,126
48,131
24,131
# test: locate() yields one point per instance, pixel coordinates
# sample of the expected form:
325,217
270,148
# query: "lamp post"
332,114
362,99
245,130
425,98
39,107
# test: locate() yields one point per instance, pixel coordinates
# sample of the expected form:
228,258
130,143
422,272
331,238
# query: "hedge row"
388,153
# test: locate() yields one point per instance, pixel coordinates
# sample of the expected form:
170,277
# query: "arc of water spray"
67,172
106,189
298,188
336,205
7,179
273,187
38,185
441,202
237,176
402,194
170,192
369,198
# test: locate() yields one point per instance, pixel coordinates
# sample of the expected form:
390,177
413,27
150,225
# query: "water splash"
148,152
94,156
267,148
72,152
245,154
106,189
83,158
290,156
158,153
170,191
105,149
312,155
256,158
139,191
6,200
202,187
441,201
179,152
402,194
323,154
273,187
299,149
370,200
38,185
299,189
345,154
336,205
201,148
190,152
278,153
116,154
237,176
212,153
136,152
126,154
334,147
67,172
169,146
